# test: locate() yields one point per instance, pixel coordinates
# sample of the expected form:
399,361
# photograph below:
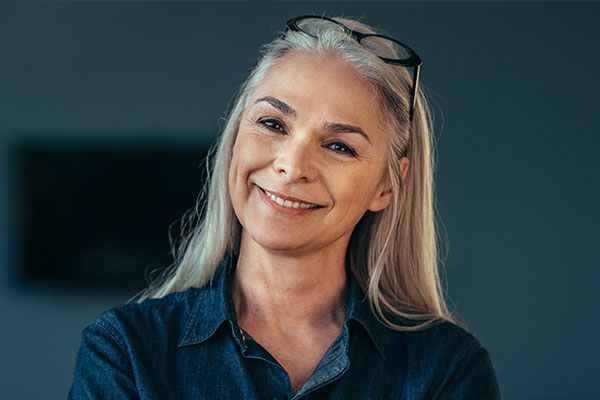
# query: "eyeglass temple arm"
415,89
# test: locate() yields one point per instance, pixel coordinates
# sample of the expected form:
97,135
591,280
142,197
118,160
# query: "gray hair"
399,269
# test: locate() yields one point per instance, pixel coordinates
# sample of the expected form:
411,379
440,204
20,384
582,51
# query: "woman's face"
310,155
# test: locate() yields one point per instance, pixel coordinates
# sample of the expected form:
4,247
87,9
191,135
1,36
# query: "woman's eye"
341,148
271,124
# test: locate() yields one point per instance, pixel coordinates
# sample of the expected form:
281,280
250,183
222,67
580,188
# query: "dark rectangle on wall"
98,217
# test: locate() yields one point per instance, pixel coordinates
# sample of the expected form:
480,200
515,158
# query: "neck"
282,290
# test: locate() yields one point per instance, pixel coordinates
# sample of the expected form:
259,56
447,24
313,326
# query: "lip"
290,198
285,210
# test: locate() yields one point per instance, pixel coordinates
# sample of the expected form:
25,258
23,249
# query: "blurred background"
107,110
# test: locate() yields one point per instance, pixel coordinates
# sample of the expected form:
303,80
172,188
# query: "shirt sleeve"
474,378
102,368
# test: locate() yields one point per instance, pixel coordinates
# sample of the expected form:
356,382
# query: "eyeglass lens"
382,47
385,48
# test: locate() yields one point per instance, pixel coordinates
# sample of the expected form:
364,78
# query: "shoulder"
441,343
151,318
441,338
444,338
447,359
125,344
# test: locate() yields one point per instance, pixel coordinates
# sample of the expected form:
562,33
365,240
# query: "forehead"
322,85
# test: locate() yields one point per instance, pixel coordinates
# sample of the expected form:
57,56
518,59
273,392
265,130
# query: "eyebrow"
346,128
280,105
333,127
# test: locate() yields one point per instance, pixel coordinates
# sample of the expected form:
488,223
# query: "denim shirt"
188,345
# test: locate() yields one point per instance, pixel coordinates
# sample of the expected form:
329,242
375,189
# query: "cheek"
250,152
239,169
233,165
355,189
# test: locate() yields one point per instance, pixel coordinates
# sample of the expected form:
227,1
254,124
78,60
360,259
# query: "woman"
313,271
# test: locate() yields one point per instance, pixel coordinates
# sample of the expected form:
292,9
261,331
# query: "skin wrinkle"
259,112
403,234
346,128
290,283
334,127
280,105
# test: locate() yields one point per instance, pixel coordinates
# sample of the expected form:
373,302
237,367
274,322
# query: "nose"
296,162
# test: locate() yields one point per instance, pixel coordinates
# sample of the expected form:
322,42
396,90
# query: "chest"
298,353
224,367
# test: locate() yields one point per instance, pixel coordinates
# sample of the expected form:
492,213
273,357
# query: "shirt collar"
214,306
360,311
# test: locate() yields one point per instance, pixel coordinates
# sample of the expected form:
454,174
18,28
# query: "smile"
288,203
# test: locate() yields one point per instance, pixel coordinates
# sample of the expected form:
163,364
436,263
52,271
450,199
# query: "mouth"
289,202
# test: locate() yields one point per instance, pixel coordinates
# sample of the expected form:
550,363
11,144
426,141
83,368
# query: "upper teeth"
288,203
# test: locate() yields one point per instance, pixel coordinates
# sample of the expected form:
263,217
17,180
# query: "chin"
276,241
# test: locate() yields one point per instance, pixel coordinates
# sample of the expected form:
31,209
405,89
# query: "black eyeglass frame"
413,61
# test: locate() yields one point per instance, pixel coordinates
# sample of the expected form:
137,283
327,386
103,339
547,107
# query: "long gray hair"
398,270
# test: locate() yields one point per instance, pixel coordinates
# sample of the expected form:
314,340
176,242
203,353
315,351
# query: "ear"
404,166
383,196
384,191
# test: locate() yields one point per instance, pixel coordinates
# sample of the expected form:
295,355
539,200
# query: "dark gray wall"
515,87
